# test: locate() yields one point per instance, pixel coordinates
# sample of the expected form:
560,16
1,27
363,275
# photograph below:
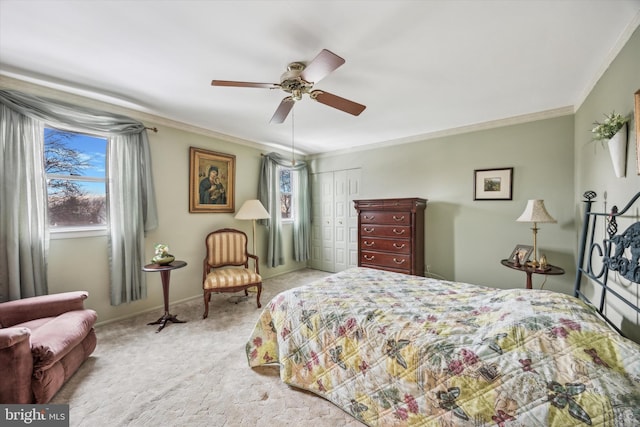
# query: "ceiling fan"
298,80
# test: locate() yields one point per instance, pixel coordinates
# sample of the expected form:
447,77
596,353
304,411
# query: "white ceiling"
420,67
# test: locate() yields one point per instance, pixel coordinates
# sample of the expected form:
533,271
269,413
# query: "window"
286,193
75,165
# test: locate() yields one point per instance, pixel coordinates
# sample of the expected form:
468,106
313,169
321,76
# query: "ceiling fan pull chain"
293,153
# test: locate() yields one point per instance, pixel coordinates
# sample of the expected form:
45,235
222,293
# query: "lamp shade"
536,212
252,209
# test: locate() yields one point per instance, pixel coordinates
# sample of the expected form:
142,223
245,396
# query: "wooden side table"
550,270
165,272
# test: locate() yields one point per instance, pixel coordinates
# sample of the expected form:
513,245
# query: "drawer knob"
399,261
398,218
398,231
368,230
369,258
366,243
398,245
368,217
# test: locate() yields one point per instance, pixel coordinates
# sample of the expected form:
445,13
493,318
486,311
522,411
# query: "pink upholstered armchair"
43,341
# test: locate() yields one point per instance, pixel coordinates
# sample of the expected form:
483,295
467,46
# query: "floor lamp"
535,212
252,209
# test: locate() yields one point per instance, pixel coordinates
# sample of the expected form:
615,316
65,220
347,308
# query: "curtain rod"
153,129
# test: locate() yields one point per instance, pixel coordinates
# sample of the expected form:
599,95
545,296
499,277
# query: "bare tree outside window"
75,165
286,189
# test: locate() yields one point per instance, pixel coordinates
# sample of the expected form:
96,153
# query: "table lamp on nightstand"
535,212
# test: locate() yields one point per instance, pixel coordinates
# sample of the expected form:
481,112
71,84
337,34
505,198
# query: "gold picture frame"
493,184
637,125
212,179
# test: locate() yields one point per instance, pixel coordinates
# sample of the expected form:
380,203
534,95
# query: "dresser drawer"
381,217
402,204
395,261
375,230
396,246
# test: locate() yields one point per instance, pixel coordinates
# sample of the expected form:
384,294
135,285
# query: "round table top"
164,267
551,269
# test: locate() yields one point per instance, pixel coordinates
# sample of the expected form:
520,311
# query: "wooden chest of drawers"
391,234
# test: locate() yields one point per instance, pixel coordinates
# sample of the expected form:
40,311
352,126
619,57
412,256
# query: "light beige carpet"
192,374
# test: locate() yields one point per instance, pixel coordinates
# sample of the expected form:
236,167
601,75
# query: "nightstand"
551,270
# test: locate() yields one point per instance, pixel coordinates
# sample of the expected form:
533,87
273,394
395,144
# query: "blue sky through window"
92,151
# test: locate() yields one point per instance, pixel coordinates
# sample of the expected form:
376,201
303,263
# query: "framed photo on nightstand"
523,252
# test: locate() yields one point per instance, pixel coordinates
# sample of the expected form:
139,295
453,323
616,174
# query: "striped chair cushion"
227,248
230,277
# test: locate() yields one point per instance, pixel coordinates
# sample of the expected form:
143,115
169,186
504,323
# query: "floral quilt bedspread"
399,350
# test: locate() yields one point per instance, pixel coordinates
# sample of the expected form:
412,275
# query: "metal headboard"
610,253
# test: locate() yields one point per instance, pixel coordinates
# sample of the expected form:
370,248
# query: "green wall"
594,171
613,92
466,239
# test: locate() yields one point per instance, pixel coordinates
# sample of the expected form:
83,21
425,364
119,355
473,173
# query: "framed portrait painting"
493,184
211,181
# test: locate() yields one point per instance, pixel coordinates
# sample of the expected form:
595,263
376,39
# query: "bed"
398,350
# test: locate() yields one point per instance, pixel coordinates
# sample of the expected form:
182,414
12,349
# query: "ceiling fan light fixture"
298,80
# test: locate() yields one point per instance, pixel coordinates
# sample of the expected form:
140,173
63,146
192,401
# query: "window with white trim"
286,195
75,165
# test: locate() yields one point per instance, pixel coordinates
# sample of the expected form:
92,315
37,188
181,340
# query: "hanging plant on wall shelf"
614,130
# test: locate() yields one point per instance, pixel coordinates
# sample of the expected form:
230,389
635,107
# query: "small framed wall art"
211,181
493,184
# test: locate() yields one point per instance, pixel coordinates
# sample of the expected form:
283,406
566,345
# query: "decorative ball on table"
162,255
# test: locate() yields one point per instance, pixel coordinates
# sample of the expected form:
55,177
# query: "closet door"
353,193
322,253
334,244
340,215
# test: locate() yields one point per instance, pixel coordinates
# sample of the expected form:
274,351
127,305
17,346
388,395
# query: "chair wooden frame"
213,262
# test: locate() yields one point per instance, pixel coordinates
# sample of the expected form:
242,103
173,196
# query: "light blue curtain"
269,195
132,205
130,214
302,219
24,236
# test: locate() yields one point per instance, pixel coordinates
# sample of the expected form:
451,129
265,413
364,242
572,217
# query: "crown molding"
90,99
116,105
493,124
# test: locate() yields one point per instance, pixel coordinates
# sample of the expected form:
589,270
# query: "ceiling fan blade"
335,101
283,110
324,63
244,84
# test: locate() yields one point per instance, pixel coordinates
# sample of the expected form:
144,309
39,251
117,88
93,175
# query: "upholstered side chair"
226,266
